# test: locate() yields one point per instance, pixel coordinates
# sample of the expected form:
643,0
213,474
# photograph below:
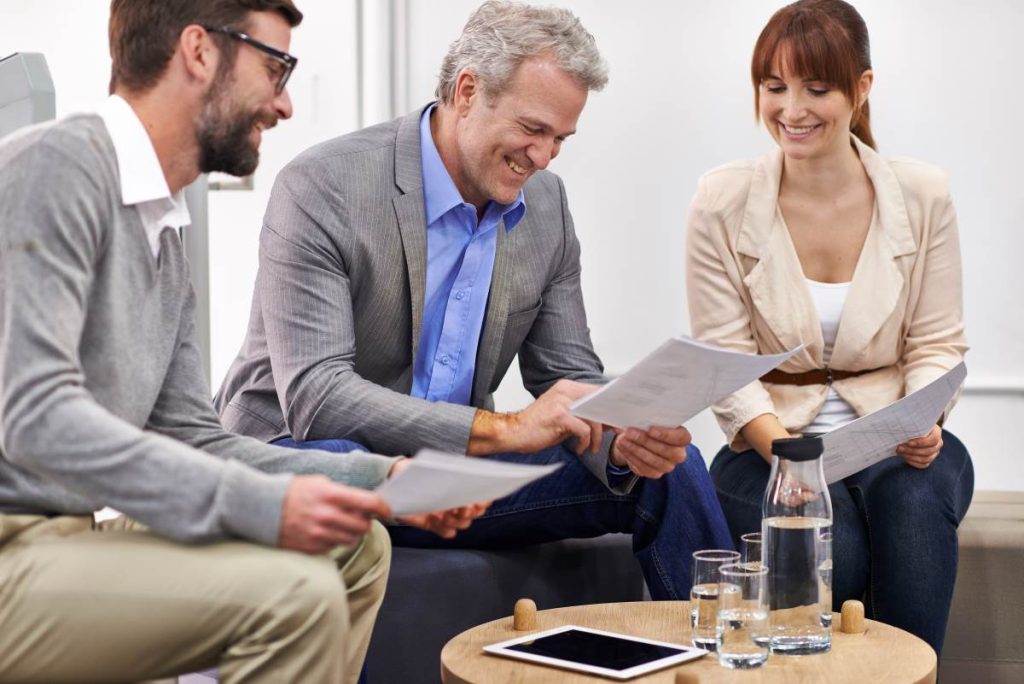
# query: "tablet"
618,656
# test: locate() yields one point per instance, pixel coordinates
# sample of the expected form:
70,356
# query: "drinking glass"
741,634
750,548
704,594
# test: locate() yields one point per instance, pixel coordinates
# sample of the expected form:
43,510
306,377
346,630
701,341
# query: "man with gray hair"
404,266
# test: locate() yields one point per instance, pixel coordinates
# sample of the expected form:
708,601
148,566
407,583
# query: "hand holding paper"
677,381
871,438
435,481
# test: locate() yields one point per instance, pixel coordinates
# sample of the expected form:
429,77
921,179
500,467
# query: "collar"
142,179
439,192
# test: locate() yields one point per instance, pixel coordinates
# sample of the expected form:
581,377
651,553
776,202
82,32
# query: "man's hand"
920,452
652,453
442,523
543,423
446,523
319,514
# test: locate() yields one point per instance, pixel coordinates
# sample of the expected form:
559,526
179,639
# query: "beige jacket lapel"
878,279
776,283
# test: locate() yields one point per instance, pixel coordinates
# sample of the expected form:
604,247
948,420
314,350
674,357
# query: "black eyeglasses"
286,61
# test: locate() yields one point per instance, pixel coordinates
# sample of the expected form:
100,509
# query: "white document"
677,381
871,438
437,481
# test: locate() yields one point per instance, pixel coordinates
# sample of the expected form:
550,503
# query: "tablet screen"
618,656
596,650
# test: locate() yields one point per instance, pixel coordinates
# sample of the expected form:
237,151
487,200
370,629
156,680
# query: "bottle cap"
798,448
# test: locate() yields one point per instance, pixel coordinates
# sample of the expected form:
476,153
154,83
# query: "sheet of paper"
437,481
871,438
677,381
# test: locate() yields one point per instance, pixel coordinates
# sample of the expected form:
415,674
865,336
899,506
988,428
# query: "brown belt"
818,376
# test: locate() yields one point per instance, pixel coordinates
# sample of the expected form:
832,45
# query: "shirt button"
445,360
459,295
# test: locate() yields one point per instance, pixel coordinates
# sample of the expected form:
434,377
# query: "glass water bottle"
796,530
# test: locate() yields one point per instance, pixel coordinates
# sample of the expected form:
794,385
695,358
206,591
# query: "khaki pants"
115,603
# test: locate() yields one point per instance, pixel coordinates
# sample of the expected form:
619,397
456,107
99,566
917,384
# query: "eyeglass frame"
286,60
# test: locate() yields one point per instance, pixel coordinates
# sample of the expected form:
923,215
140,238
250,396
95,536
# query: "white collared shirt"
142,179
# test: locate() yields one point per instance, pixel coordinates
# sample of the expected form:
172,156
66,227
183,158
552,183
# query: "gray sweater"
103,401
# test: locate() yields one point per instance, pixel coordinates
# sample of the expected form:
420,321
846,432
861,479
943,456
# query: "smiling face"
808,117
501,140
241,102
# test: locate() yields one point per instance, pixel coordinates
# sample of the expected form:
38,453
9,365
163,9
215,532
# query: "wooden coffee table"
881,654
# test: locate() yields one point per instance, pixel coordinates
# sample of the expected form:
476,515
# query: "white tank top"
829,299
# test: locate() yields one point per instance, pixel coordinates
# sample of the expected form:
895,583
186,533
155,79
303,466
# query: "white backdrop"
678,103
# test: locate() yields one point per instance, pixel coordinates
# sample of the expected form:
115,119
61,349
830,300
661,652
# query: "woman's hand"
922,451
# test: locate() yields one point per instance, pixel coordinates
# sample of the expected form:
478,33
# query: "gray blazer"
338,304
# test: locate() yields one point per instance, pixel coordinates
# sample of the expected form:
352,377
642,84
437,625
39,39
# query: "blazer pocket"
520,322
517,327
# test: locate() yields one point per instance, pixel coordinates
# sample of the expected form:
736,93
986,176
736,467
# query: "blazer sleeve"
719,310
934,338
305,287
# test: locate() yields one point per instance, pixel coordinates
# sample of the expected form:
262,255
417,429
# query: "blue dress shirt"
460,261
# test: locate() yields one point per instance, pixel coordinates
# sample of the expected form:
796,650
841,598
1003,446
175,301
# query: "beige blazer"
746,289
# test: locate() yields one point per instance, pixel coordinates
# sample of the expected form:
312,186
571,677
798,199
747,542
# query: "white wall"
678,103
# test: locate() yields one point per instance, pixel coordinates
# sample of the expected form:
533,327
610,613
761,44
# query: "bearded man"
103,401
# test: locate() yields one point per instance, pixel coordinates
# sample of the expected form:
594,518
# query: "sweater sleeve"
184,411
54,216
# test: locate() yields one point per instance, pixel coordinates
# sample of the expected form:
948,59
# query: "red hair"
822,40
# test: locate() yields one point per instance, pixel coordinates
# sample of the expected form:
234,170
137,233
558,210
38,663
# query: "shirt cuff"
618,475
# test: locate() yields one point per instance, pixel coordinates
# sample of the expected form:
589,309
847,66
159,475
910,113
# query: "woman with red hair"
827,244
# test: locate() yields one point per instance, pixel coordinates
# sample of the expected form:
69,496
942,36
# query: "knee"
693,466
955,459
909,496
367,564
318,593
292,594
376,549
740,477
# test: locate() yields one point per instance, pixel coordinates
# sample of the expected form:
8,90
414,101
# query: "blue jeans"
669,518
894,541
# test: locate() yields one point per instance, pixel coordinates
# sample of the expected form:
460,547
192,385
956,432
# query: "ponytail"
860,126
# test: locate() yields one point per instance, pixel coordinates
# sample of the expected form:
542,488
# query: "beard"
225,130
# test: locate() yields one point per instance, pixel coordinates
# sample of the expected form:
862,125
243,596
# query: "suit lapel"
411,215
497,310
878,279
